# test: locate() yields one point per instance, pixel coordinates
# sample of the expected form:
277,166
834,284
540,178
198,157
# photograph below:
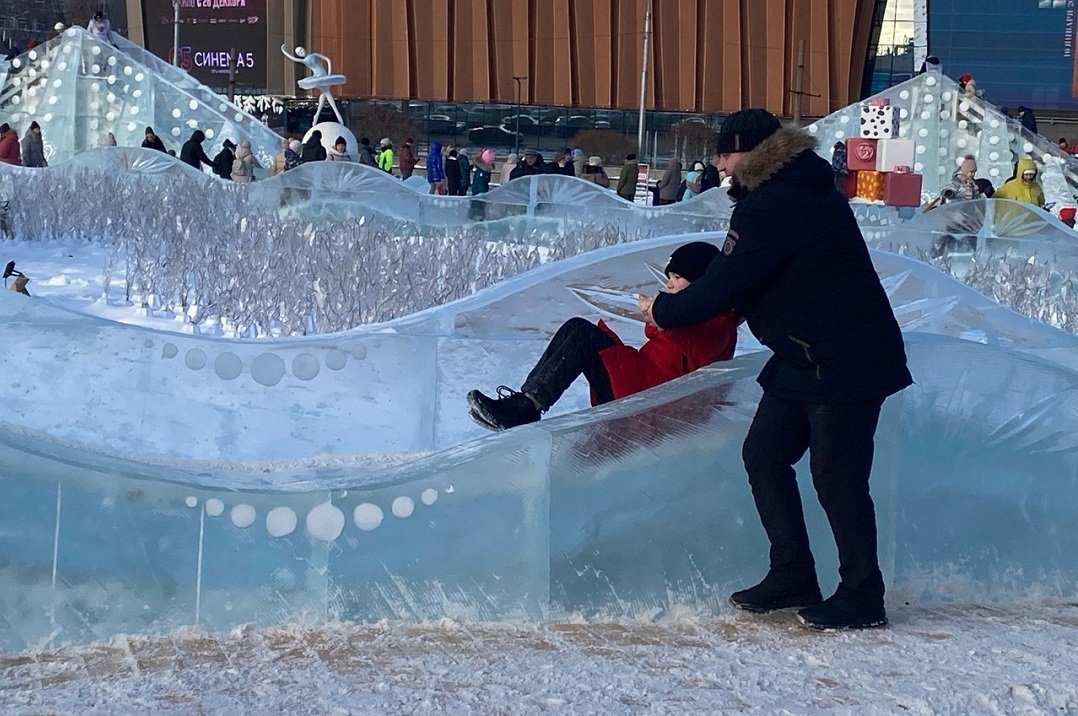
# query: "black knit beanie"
691,260
743,130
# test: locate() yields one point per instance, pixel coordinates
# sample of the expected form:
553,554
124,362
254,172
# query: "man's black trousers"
839,438
572,352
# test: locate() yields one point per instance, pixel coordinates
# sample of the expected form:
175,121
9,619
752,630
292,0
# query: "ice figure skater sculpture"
321,79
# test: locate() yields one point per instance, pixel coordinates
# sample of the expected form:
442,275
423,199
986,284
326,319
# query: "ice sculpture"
322,478
946,125
79,88
321,79
155,480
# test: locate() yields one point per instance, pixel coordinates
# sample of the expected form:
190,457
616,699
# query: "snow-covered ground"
70,273
958,659
955,660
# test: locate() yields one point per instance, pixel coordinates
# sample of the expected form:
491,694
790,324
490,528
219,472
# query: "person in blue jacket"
435,168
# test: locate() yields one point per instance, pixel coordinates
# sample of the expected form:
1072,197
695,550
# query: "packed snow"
957,660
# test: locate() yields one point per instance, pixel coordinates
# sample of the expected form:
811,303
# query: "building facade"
705,56
1019,52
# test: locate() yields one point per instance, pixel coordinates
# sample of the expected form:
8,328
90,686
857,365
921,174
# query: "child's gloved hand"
645,302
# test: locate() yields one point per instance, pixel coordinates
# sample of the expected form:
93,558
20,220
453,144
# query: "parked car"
494,137
442,124
567,126
528,122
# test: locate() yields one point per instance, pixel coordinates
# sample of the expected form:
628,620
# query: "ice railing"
1014,253
326,247
79,88
313,396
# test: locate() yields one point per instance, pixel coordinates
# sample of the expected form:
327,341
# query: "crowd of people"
457,171
452,171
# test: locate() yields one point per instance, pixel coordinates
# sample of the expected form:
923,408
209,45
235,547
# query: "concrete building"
706,56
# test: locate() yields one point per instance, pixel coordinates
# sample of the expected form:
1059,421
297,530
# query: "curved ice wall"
120,518
536,210
324,246
1015,253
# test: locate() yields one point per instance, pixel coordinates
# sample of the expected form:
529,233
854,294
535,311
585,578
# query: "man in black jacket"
712,178
192,152
222,163
313,151
795,265
152,141
531,165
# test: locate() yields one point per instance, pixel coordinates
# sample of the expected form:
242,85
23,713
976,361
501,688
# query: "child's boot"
510,409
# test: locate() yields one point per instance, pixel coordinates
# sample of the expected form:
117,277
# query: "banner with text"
209,31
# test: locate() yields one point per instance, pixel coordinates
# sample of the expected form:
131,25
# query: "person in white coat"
99,26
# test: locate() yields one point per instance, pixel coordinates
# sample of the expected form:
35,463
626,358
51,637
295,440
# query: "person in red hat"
967,85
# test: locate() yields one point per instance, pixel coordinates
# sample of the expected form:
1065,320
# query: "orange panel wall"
705,56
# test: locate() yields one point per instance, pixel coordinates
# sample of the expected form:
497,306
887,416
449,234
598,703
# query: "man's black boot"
510,409
845,610
778,592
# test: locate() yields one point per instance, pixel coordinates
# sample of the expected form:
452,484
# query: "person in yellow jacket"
385,155
1024,186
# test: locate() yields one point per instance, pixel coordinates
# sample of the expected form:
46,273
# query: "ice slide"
156,480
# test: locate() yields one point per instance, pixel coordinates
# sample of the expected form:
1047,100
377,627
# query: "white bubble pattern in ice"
281,521
243,515
367,516
325,522
403,507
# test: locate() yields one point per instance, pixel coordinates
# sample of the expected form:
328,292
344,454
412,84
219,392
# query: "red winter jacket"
669,353
9,148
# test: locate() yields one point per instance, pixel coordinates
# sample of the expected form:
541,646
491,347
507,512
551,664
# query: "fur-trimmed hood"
771,155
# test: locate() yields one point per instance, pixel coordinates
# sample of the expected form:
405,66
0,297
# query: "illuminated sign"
209,31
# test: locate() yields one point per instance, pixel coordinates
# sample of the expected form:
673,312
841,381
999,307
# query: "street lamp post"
516,134
176,33
641,126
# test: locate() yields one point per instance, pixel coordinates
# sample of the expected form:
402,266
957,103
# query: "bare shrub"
612,146
693,139
375,121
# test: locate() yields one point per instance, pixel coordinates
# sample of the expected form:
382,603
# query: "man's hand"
645,302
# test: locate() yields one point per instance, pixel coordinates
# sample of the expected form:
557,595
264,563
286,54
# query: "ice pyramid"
80,88
946,125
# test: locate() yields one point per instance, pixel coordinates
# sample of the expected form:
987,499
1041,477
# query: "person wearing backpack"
245,163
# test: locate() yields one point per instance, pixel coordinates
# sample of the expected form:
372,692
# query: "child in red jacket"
613,369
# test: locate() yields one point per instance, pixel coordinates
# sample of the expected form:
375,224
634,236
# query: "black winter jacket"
711,179
155,144
523,169
453,180
795,265
222,163
192,152
313,151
